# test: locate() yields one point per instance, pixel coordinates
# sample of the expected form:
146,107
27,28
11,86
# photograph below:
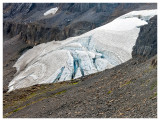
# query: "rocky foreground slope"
127,90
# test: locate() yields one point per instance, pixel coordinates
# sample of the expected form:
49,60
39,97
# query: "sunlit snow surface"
94,51
51,11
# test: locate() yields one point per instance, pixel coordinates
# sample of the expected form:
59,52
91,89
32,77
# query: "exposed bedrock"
26,12
71,19
146,43
34,34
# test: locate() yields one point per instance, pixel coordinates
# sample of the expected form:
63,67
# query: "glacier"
99,49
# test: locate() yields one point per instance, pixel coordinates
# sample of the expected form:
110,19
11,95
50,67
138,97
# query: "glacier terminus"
99,49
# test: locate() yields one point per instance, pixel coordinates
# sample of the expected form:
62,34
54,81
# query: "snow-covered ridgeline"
51,11
94,51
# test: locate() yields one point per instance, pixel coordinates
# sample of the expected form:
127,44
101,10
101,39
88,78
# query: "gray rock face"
146,44
71,19
29,12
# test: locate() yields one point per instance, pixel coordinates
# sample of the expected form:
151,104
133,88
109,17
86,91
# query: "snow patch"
51,11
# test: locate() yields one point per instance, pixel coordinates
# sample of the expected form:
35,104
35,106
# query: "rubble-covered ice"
94,51
51,11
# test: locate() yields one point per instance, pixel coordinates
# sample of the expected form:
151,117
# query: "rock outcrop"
146,44
71,19
34,34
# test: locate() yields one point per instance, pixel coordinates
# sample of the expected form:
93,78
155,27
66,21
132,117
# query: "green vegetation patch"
153,85
128,82
75,82
16,110
58,93
154,95
36,93
109,92
33,102
149,69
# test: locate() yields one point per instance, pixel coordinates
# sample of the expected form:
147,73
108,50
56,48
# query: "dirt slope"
128,90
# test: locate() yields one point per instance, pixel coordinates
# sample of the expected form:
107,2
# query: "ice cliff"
94,51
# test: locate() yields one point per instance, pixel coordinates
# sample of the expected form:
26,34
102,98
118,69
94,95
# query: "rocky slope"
128,90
